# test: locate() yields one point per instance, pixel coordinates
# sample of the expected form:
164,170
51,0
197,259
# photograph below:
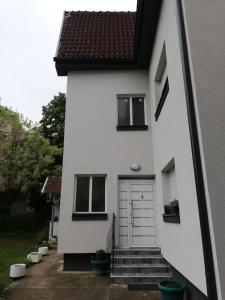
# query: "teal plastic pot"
100,267
172,290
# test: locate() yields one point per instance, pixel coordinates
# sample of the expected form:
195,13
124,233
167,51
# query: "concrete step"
137,260
139,278
143,287
138,251
141,268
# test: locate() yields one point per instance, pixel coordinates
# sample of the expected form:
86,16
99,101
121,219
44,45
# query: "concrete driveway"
46,281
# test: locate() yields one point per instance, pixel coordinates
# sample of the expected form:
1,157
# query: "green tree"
52,122
26,159
25,165
13,120
9,118
12,124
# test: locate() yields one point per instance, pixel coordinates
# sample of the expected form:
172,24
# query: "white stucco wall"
181,243
206,40
93,146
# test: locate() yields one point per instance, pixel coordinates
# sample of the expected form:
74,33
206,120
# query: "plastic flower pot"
43,250
172,290
17,271
34,257
100,267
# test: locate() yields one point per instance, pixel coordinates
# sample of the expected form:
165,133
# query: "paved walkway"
44,281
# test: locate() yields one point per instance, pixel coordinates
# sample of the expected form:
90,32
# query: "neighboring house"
144,139
52,187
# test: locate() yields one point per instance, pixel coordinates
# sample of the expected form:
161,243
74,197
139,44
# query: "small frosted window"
98,194
123,111
138,111
82,194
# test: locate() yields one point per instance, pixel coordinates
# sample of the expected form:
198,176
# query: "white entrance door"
137,225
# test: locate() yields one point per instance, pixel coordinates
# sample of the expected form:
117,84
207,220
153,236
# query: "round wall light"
135,167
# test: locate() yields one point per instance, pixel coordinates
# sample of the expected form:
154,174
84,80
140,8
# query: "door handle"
132,217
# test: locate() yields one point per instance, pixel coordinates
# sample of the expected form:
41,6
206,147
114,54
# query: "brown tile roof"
97,35
52,185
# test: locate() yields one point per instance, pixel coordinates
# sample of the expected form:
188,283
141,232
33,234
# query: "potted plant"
100,264
175,206
34,257
17,271
172,208
43,250
172,290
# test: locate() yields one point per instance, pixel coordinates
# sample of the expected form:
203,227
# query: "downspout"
52,215
198,172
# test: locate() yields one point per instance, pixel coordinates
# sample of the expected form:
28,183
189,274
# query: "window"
171,204
123,111
89,196
161,82
131,113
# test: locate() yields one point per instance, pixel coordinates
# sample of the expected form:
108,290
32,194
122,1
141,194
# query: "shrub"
42,235
28,263
1,288
100,254
24,224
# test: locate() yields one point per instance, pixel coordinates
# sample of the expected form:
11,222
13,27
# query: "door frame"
138,180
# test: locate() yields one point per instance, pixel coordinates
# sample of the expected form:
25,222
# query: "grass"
13,250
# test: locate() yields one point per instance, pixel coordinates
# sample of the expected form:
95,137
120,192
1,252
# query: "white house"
144,139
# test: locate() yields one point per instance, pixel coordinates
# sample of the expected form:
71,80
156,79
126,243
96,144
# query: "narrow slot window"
161,82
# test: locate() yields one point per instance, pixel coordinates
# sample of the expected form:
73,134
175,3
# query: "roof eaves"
145,27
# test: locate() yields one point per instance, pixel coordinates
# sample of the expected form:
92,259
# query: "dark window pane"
98,194
138,111
123,111
82,194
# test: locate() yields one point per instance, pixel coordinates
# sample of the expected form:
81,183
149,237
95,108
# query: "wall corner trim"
196,155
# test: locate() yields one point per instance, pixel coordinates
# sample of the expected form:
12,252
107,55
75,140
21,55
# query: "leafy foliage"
24,224
52,122
42,235
13,122
10,118
28,155
100,254
24,165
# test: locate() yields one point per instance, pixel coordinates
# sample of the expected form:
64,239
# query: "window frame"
132,126
161,78
164,93
173,215
89,215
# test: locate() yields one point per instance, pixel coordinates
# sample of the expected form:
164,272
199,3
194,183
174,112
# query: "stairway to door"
140,268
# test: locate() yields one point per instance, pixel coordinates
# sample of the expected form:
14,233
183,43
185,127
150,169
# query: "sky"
29,31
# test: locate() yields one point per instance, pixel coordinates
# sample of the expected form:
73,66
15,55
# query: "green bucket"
100,267
171,290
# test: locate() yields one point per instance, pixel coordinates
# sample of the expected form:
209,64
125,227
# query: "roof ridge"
100,11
